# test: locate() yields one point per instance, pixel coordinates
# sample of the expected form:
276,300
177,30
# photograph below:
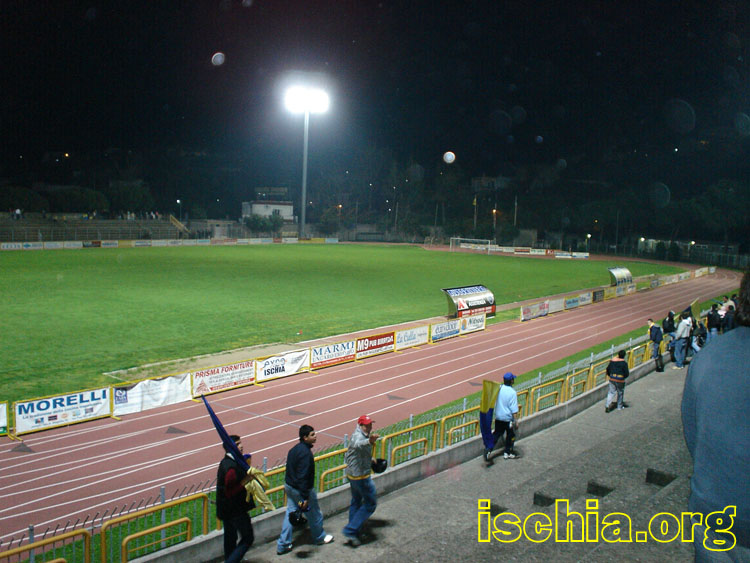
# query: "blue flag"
229,444
490,390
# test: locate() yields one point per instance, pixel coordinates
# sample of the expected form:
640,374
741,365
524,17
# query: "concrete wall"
268,526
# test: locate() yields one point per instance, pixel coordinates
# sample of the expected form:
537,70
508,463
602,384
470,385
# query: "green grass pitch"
69,316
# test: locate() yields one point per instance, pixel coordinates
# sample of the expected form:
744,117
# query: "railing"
410,440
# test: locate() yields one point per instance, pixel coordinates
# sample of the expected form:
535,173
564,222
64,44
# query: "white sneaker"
509,456
325,540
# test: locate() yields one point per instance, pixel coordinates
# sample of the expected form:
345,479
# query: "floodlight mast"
301,99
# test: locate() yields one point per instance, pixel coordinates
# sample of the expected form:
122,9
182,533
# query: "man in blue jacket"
299,485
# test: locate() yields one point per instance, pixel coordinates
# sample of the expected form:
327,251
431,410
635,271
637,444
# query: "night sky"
602,85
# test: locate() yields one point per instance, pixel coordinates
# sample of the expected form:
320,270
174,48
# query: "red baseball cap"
364,419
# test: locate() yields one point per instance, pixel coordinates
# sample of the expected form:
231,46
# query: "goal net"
471,244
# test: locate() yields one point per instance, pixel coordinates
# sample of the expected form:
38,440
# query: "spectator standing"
299,485
506,422
716,426
669,328
358,469
713,320
728,322
682,336
232,506
655,335
617,372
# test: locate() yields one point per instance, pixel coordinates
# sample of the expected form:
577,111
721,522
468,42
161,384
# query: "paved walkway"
436,519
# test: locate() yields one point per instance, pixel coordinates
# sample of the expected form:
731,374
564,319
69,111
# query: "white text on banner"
472,323
412,337
375,344
282,365
332,354
442,331
224,377
151,393
39,414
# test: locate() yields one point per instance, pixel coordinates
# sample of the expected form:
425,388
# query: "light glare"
299,99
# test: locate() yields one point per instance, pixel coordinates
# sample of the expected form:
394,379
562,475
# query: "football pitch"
70,316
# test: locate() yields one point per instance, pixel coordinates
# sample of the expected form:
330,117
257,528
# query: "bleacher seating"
33,229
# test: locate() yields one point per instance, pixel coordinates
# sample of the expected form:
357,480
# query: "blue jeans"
362,506
233,551
314,517
680,347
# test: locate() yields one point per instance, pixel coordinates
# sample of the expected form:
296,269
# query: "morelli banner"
332,354
282,365
469,300
49,412
376,344
219,378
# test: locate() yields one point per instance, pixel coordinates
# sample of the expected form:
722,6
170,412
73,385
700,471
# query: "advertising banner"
11,246
521,250
189,242
631,288
375,344
598,295
140,243
443,331
610,292
50,412
332,354
472,323
469,300
203,241
174,242
110,244
556,305
3,418
159,242
656,282
534,310
580,255
584,298
538,252
620,290
92,244
571,302
682,276
150,394
53,245
220,378
73,244
282,365
289,240
412,337
560,254
32,245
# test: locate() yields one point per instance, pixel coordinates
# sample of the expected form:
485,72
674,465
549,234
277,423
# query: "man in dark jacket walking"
713,320
232,507
299,486
618,372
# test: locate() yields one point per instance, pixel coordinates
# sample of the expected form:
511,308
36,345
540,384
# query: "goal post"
475,244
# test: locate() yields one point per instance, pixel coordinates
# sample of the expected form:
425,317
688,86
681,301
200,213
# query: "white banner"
413,337
584,298
151,393
10,246
159,242
3,418
40,414
442,331
289,240
110,244
53,245
218,378
556,305
140,243
472,324
282,365
73,244
332,354
32,245
189,242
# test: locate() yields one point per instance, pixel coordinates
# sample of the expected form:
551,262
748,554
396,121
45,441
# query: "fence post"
31,540
539,379
411,423
463,420
163,498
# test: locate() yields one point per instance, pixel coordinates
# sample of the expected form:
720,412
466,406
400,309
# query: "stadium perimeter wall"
267,526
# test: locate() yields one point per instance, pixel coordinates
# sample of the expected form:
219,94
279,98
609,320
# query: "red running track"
66,474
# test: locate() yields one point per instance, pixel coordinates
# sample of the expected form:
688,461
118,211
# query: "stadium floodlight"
301,99
179,202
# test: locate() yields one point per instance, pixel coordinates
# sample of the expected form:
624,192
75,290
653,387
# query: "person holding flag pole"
499,403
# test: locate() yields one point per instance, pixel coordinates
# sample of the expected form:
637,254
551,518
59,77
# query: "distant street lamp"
494,223
180,204
588,238
301,99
